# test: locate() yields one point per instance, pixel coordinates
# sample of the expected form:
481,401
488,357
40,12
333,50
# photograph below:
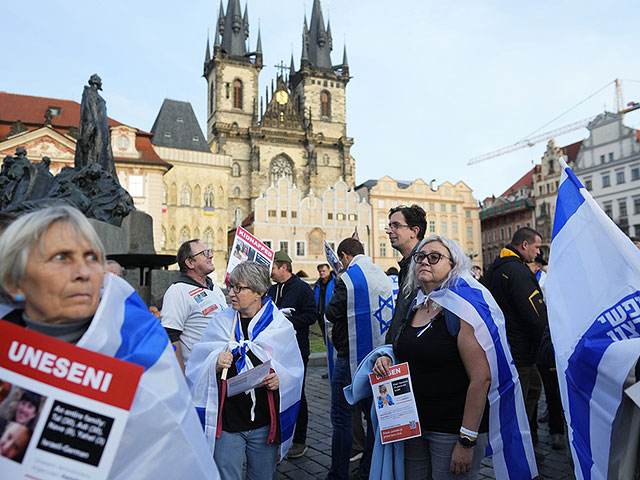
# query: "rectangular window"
509,232
606,182
443,227
294,214
283,214
330,216
611,156
608,209
601,158
273,213
383,249
432,207
540,189
622,207
340,216
267,243
454,228
394,203
469,232
136,185
588,185
454,208
636,205
353,217
637,230
620,176
443,207
548,188
284,245
467,214
300,249
382,223
432,226
381,203
502,234
635,173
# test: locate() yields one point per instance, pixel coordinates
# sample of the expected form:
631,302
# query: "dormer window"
167,134
180,120
55,111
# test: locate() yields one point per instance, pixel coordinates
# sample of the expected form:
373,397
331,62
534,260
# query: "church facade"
298,131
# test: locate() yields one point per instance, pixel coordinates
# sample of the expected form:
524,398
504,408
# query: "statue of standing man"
94,137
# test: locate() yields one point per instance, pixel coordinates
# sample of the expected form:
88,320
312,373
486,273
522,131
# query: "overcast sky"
434,83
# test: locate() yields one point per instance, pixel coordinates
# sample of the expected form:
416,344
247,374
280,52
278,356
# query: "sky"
434,83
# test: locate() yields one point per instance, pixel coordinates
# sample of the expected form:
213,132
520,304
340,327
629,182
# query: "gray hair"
113,267
21,236
253,275
460,263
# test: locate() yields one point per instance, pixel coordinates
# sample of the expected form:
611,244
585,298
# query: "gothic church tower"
298,132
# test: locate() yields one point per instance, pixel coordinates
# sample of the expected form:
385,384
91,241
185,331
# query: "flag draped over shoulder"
369,307
271,337
509,435
163,438
593,300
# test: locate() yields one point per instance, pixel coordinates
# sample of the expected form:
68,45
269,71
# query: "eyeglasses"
395,225
432,257
238,288
207,253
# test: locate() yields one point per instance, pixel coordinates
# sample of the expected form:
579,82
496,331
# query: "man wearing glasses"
190,303
407,226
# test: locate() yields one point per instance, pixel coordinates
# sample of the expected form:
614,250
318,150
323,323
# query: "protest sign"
83,400
395,404
246,247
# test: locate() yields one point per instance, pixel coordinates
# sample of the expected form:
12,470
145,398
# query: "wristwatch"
466,442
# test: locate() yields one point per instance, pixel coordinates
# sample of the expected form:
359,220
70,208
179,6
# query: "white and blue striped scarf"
271,337
162,438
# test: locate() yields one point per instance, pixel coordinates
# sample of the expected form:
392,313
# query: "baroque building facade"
451,212
297,131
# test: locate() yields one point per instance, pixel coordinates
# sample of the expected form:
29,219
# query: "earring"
19,297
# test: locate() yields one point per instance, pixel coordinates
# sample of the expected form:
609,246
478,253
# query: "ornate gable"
281,112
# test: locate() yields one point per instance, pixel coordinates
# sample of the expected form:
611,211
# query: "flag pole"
223,379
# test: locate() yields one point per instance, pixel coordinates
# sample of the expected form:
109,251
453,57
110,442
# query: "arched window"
325,103
281,167
172,194
185,195
208,237
184,235
235,169
208,196
196,196
237,94
164,195
238,216
236,192
221,196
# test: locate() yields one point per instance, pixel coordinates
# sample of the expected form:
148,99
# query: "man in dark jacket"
323,291
516,290
407,227
295,299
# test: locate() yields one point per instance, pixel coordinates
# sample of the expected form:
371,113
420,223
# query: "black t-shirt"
236,412
438,376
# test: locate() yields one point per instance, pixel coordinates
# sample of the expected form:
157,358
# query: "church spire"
305,43
319,40
292,66
345,63
235,29
207,53
259,45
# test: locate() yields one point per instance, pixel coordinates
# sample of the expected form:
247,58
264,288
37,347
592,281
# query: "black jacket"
296,293
403,302
516,290
336,313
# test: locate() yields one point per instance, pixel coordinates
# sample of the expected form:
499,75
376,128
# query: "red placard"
65,366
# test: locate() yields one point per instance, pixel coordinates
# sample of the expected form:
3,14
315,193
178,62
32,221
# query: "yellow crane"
531,141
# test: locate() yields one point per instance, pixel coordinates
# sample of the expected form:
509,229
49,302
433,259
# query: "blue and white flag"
271,337
509,435
369,307
593,302
163,437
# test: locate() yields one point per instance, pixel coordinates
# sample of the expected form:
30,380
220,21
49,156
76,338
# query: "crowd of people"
431,313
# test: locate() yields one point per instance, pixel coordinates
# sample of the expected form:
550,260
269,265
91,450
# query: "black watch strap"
467,442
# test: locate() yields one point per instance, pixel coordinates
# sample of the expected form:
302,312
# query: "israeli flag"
271,337
163,437
593,302
370,307
509,435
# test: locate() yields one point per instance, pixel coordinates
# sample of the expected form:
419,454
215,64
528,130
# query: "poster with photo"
395,404
63,409
246,247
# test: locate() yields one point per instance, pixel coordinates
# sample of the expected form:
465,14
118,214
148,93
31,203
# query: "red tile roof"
30,110
525,181
571,151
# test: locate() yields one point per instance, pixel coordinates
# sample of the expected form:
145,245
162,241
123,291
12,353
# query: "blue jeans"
342,423
230,450
428,457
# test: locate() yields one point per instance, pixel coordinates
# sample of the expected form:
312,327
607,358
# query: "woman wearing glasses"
251,332
449,370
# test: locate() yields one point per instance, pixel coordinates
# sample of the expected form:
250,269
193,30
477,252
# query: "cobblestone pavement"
315,463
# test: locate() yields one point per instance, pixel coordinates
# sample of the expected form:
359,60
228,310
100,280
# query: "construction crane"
530,142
